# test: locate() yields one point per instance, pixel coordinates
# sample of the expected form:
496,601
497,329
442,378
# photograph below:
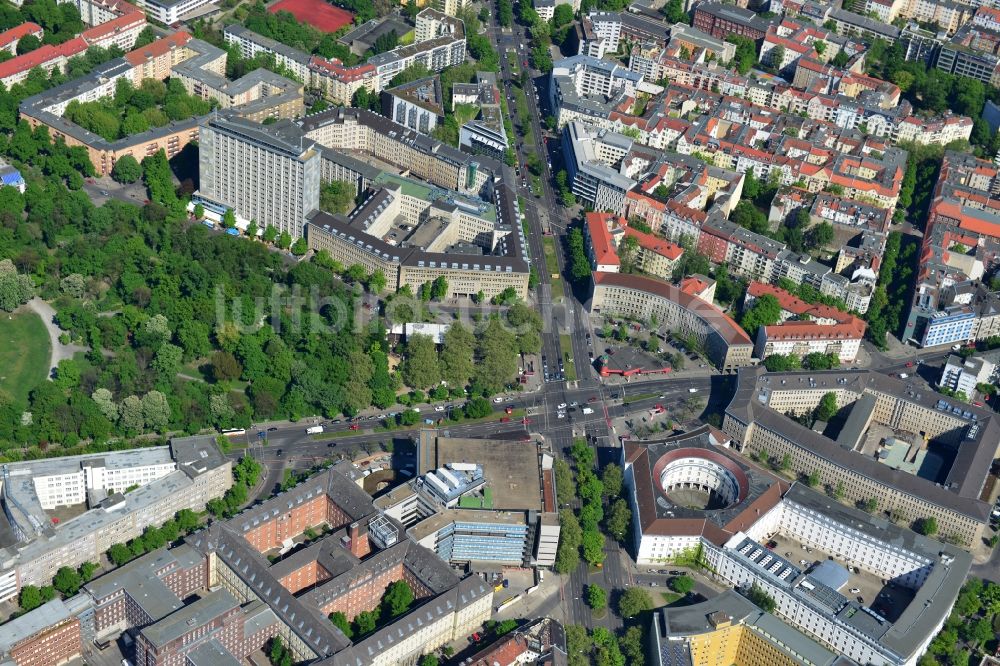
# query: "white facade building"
262,174
964,374
746,507
114,475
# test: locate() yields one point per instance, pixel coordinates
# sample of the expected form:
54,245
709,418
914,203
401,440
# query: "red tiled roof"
965,221
121,23
810,330
847,326
723,324
503,653
157,48
340,71
600,239
692,285
17,33
42,56
660,246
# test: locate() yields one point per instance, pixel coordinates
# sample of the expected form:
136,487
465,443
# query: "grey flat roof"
864,22
273,45
196,614
933,600
831,574
512,469
698,619
968,471
211,653
141,499
857,421
433,523
282,136
153,455
29,624
154,597
133,575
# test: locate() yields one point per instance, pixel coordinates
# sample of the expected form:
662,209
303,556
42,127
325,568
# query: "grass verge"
566,345
636,398
551,263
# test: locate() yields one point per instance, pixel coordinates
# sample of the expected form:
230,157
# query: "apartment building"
260,173
10,38
199,65
592,77
722,20
760,258
965,374
761,425
439,42
806,328
47,636
117,24
726,345
603,32
449,7
546,9
796,41
948,15
417,105
188,477
683,36
951,304
252,45
604,234
729,629
169,12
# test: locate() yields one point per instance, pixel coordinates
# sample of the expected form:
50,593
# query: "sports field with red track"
317,13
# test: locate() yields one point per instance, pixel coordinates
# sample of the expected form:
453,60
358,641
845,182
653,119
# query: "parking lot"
888,600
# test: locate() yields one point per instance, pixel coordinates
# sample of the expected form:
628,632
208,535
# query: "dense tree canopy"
153,104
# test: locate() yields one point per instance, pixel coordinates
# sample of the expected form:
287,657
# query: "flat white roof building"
161,481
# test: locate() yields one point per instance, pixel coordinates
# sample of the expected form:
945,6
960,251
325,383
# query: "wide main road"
608,403
545,214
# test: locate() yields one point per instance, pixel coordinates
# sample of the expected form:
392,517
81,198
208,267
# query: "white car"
439,408
560,415
562,405
498,400
855,590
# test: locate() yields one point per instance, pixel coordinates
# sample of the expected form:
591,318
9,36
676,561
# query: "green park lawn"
24,354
